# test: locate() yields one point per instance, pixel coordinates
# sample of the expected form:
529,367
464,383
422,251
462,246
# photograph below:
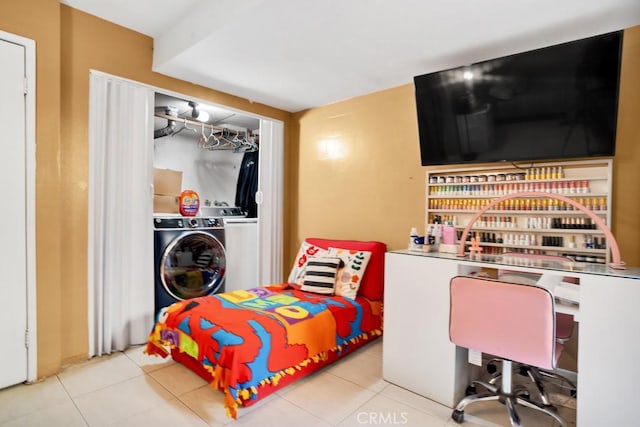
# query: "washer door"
193,265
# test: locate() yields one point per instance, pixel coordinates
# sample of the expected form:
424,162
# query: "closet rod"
193,122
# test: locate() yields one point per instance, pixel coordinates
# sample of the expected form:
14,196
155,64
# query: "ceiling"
298,54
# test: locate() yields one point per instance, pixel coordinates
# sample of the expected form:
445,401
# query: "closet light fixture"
201,116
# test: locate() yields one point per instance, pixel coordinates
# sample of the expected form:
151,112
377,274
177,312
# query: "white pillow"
306,251
350,275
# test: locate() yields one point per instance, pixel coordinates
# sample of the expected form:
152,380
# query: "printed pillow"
306,251
320,275
349,277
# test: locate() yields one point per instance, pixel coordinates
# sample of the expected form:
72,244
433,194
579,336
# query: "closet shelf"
518,212
197,124
588,231
493,196
223,138
562,249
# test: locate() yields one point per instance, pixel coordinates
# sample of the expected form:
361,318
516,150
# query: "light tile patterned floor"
132,389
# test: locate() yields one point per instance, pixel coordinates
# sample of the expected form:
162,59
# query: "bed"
250,343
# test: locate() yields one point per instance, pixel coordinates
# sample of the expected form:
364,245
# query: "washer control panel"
211,222
194,223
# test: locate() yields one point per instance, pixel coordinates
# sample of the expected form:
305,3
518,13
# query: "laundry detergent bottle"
189,203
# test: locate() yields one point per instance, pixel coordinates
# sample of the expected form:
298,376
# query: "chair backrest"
508,320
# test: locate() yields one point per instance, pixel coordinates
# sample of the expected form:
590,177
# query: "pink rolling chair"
564,327
517,323
564,322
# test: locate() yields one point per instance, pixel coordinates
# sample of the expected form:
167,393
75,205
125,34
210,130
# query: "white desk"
418,356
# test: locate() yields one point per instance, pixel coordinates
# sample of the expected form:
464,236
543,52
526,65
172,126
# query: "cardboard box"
167,182
165,204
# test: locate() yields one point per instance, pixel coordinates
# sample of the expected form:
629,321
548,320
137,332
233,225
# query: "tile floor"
132,389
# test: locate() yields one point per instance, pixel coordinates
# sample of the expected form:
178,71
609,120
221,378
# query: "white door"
13,215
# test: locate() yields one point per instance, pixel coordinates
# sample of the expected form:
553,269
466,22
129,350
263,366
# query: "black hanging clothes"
248,184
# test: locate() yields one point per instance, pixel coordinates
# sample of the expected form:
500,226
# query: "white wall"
212,174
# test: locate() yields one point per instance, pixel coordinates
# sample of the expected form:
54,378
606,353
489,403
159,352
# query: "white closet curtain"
120,246
269,198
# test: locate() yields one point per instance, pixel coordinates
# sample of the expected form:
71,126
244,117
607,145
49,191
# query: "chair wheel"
457,416
524,371
491,368
470,390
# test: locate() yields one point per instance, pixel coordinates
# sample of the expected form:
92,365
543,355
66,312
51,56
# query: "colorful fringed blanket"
254,337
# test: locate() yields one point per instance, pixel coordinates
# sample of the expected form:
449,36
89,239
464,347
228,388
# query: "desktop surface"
514,260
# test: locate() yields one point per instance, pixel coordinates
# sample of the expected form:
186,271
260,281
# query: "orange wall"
39,20
626,170
377,190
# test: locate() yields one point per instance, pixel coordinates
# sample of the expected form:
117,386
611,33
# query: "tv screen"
558,102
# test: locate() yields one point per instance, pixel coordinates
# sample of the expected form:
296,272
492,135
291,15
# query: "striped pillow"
320,275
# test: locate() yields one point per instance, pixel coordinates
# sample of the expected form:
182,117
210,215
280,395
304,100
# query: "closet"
122,154
217,152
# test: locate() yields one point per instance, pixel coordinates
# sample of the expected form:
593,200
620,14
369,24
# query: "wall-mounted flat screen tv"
553,103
